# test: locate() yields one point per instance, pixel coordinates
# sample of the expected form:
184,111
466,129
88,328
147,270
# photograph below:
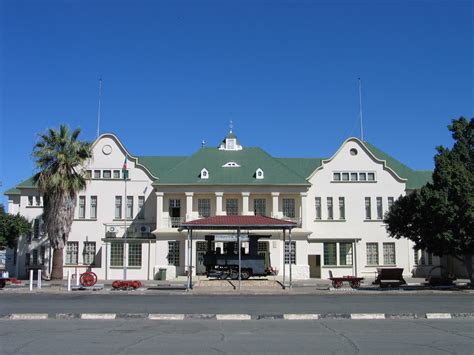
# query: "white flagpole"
360,112
98,109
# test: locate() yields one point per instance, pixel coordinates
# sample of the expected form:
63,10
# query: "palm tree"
59,157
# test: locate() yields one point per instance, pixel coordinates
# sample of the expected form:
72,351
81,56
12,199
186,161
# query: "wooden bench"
389,277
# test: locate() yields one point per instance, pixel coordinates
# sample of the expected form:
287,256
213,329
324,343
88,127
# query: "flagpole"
125,249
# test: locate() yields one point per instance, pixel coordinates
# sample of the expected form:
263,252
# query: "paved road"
151,337
262,304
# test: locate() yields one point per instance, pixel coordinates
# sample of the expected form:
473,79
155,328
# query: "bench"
389,277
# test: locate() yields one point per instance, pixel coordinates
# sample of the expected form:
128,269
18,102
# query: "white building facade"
338,205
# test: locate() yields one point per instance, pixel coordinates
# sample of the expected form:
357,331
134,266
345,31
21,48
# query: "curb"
233,317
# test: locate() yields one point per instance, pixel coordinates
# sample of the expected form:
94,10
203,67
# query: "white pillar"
275,196
304,219
31,280
159,209
245,204
78,275
38,283
189,205
219,209
69,280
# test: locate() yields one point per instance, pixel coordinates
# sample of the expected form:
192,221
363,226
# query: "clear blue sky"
175,72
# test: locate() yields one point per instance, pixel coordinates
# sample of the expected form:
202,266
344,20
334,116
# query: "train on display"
225,264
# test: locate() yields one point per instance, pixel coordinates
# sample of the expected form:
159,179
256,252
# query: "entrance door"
265,252
314,262
201,249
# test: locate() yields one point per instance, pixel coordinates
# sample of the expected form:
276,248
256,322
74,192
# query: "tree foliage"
59,158
439,218
11,228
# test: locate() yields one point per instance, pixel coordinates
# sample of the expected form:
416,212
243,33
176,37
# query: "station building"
337,204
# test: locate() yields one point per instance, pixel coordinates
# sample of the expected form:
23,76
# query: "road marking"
166,316
301,316
90,316
367,316
438,315
233,317
29,316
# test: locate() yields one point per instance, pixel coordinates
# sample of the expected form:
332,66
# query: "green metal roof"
302,166
158,165
415,178
28,183
249,159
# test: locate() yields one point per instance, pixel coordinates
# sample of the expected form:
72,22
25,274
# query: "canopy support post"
240,255
290,251
284,255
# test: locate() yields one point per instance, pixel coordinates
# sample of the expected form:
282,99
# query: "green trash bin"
162,274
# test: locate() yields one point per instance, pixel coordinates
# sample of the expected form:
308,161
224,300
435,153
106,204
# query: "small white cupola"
230,141
259,174
204,174
231,164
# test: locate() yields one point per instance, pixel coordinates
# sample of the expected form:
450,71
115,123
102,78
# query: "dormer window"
231,164
204,174
259,174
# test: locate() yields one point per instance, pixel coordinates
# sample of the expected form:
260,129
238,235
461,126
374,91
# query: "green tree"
11,228
60,157
439,217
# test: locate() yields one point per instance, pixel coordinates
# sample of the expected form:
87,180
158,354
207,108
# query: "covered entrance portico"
238,225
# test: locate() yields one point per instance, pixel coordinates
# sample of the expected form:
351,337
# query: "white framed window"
389,254
36,228
259,174
318,207
93,211
88,174
35,256
259,206
135,255
129,213
204,207
107,174
290,255
42,255
118,207
415,256
38,200
345,176
30,200
88,254
141,207
330,254
354,177
72,253
379,208
372,253
330,208
390,203
116,174
345,253
204,174
336,176
27,259
82,207
116,254
342,208
173,253
289,207
232,206
362,176
96,174
368,208
370,176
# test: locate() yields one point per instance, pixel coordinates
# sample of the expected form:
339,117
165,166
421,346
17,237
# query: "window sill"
329,220
123,220
373,220
128,267
337,266
86,219
34,206
353,182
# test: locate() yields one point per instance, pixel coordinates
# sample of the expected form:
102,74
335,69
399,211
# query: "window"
379,208
330,254
129,213
415,256
141,207
30,200
27,259
42,255
96,174
204,207
362,177
353,151
371,176
372,254
118,207
93,207
36,228
368,214
330,208
390,203
107,174
135,254
342,208
430,258
88,174
389,254
259,174
259,206
345,176
72,253
89,253
173,253
318,207
353,176
38,200
289,207
116,174
336,176
232,206
345,253
35,256
204,174
82,206
116,254
290,255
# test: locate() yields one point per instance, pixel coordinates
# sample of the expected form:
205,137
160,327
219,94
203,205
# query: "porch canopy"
237,224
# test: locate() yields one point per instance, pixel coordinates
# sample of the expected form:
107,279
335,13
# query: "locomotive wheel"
88,279
245,274
234,275
336,284
355,284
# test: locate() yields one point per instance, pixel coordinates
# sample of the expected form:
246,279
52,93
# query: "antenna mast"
98,109
360,112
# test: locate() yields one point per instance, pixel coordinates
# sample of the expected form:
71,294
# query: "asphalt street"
77,302
151,337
